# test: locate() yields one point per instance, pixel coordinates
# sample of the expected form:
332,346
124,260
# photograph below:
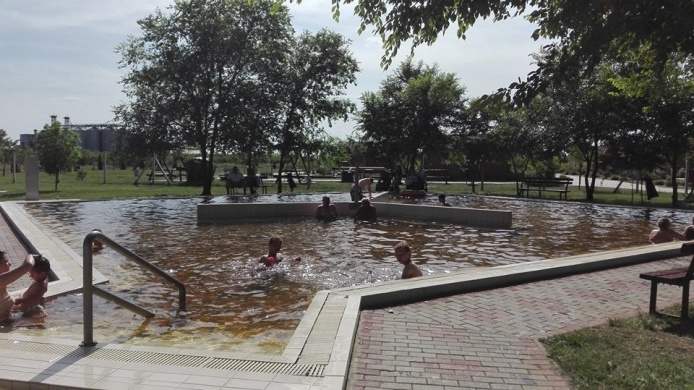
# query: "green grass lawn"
644,352
120,184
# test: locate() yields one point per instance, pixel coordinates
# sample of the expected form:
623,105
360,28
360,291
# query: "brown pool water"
234,304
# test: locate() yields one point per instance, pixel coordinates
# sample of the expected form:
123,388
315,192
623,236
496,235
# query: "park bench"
437,175
675,277
557,185
243,184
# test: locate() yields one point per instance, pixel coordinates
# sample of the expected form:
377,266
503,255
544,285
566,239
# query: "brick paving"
490,339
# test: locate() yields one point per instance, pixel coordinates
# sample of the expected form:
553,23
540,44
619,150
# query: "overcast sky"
57,57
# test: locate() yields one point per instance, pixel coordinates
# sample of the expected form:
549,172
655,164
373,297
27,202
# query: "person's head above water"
664,223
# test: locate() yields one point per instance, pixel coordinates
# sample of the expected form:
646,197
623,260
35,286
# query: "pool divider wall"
225,213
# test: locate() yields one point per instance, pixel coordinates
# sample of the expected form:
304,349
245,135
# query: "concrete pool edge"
342,327
211,213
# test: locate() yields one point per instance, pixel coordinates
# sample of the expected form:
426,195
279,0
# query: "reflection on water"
235,304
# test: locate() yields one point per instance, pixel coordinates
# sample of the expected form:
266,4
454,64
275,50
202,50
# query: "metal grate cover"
313,370
304,370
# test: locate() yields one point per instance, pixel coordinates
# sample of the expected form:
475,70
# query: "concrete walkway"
484,334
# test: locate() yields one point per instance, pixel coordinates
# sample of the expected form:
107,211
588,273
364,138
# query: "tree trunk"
279,173
673,177
57,180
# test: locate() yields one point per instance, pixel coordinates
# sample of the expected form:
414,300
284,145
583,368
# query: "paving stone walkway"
490,339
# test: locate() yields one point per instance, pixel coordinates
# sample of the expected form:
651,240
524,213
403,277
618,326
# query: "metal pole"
87,291
14,166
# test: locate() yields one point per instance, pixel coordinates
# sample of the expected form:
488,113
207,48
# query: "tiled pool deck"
482,334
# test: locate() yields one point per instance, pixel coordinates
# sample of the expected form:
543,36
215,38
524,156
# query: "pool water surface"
235,304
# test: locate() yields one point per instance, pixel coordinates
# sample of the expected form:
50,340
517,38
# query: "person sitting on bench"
235,180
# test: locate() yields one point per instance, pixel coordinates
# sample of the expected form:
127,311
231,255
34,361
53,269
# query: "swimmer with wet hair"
403,254
273,253
32,302
326,211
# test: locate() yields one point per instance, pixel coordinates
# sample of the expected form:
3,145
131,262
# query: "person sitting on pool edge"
664,233
326,211
273,253
366,211
404,256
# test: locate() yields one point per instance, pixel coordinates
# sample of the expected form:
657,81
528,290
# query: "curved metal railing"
89,289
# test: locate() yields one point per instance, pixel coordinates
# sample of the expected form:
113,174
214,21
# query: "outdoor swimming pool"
234,305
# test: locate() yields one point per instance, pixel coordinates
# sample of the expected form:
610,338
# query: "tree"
319,68
58,149
6,148
519,137
665,101
187,72
411,114
584,31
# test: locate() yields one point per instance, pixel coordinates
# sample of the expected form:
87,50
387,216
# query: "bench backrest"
688,249
533,181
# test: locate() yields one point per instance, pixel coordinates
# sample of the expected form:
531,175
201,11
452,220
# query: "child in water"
404,256
31,302
273,253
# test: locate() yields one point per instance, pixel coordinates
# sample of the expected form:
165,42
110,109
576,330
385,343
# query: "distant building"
99,137
27,140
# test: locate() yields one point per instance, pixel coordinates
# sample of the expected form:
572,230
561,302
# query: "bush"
81,175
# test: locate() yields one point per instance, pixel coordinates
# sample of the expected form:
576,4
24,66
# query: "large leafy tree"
58,149
583,31
310,90
666,101
188,71
412,113
587,114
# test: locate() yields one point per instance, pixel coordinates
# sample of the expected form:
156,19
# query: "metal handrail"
89,289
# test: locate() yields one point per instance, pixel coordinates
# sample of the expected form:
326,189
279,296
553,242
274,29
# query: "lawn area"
120,184
644,352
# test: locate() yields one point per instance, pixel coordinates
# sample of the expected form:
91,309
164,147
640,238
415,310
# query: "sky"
58,58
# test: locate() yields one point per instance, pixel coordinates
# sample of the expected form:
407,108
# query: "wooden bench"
243,184
437,174
675,277
560,186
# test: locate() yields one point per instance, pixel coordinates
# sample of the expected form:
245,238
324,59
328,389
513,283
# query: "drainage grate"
30,346
310,370
314,370
166,359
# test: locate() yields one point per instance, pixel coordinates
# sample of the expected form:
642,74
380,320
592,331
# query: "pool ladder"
89,289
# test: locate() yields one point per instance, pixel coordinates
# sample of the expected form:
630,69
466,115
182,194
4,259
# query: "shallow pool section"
234,304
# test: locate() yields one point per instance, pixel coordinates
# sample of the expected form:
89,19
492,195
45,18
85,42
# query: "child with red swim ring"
273,253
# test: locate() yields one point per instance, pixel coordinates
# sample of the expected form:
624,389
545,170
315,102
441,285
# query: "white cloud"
58,56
